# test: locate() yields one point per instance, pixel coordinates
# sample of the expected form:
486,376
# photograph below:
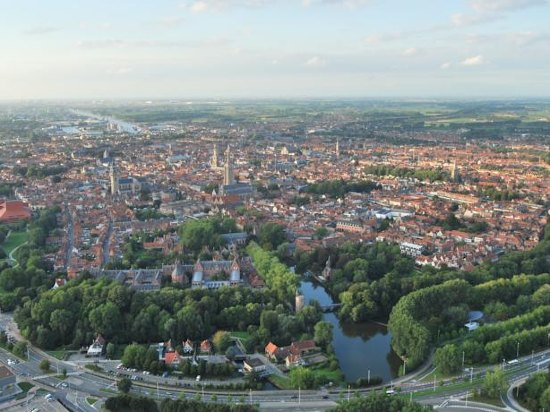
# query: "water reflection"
359,347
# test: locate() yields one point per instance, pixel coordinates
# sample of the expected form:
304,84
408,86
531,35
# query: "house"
276,353
294,360
96,348
271,350
59,282
206,346
164,348
172,359
299,348
188,346
253,365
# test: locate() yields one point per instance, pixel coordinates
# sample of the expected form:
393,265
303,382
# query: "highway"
82,383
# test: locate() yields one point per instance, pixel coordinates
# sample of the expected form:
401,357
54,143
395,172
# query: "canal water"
359,347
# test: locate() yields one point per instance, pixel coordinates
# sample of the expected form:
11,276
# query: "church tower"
228,169
214,162
299,301
455,177
327,271
337,148
114,179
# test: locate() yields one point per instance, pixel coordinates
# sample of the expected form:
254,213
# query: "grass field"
59,354
279,382
14,240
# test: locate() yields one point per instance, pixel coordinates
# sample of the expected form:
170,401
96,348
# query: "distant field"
14,240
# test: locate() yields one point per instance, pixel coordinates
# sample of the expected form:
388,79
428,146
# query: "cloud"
468,19
316,61
41,30
120,71
490,10
349,4
445,66
382,38
504,5
473,61
212,42
169,22
216,6
411,51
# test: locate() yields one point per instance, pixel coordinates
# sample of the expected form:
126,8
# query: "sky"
162,49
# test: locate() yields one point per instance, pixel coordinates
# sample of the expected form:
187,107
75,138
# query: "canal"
359,347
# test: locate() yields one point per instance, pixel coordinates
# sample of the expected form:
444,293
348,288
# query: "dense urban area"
267,255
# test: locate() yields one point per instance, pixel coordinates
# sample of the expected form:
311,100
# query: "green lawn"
91,400
25,386
334,376
490,401
242,336
59,354
14,240
279,382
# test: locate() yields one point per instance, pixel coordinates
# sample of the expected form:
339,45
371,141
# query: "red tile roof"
12,210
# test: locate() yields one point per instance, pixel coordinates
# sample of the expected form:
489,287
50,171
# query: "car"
49,397
390,392
294,397
198,379
325,396
35,410
64,384
119,366
165,374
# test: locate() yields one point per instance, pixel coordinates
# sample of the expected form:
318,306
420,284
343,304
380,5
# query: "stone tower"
455,177
228,169
214,163
114,179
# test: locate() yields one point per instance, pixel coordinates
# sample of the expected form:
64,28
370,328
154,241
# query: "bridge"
331,308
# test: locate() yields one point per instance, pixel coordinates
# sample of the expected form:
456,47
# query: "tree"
44,365
124,385
494,384
545,400
301,377
448,359
20,349
271,235
323,333
222,341
110,350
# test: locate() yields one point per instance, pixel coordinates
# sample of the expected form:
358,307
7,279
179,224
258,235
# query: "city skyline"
284,49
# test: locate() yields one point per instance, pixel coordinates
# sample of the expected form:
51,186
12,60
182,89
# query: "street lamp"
517,352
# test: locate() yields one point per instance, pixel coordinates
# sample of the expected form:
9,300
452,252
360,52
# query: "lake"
358,346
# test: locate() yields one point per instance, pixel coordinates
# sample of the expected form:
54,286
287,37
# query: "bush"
44,365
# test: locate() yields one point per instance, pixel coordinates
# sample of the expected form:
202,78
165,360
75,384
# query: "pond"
359,347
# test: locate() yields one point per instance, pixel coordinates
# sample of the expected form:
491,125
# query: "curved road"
83,382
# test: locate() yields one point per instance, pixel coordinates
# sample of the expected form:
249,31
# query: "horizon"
292,49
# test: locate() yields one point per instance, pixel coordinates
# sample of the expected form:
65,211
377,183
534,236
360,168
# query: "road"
82,383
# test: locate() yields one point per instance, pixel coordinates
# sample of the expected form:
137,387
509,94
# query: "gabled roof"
271,348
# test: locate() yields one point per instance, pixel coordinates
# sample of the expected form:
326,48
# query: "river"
359,347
